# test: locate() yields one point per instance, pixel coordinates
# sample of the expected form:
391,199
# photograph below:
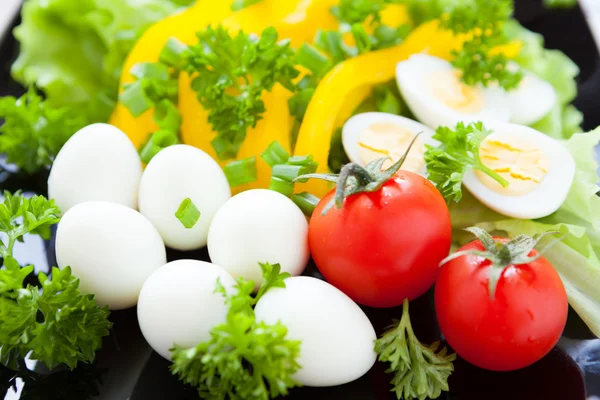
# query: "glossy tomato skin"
516,328
385,246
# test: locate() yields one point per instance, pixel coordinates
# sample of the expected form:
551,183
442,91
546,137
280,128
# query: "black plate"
131,370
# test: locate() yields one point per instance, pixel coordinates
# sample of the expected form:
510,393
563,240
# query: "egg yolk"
447,87
523,164
390,140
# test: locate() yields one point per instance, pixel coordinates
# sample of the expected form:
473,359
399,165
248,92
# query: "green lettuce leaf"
582,206
558,69
74,49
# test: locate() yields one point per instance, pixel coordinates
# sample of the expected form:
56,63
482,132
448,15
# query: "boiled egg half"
371,136
539,171
532,100
433,90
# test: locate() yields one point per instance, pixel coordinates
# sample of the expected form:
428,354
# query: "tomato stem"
503,254
367,179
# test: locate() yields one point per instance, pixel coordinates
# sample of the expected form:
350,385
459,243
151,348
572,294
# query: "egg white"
532,100
547,197
358,123
412,76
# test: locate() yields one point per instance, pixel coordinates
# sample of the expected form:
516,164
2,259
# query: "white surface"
8,10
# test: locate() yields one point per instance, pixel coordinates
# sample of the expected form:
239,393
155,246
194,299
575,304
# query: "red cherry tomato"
515,328
385,246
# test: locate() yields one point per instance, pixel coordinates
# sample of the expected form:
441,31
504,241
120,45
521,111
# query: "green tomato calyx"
504,254
354,178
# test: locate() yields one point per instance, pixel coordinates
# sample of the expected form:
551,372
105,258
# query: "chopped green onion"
362,39
187,213
167,116
300,160
150,70
307,202
275,154
224,148
331,42
135,100
290,172
311,58
282,186
171,53
389,103
158,141
299,102
238,5
240,172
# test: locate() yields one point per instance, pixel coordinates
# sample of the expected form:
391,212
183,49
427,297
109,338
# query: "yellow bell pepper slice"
359,74
183,26
348,84
295,20
276,125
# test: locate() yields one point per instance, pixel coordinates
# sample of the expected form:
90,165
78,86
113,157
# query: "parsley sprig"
457,153
230,73
244,359
33,131
420,371
483,22
55,322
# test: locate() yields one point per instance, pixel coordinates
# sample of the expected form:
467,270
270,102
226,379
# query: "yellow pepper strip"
277,125
183,26
359,74
297,20
344,87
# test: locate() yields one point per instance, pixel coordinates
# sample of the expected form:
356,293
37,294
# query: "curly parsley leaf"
244,359
273,277
419,371
20,215
33,132
230,74
71,326
457,153
483,21
55,322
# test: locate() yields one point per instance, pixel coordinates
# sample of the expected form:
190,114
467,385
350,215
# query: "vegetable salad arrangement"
402,145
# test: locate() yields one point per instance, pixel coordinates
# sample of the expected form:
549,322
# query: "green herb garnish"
286,168
419,371
457,153
241,172
187,213
230,74
33,131
244,358
484,21
55,323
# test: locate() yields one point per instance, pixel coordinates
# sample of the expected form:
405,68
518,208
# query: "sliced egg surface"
539,171
433,90
532,100
374,135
